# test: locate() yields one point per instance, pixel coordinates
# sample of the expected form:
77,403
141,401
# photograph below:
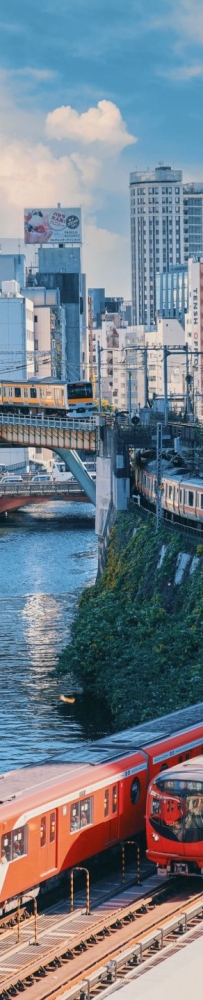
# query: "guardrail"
37,489
63,423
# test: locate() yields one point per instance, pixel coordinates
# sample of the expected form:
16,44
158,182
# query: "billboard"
52,225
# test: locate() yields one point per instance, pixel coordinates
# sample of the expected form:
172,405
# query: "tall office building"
193,219
157,236
60,267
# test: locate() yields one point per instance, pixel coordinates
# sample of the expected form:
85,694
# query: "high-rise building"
193,220
172,293
60,267
157,237
13,268
16,333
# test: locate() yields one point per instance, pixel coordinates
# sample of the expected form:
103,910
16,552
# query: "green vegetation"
137,639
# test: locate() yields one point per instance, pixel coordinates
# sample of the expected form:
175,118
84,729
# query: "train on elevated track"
182,492
55,815
174,820
49,396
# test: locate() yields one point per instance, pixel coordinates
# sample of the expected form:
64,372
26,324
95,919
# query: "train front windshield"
79,391
177,813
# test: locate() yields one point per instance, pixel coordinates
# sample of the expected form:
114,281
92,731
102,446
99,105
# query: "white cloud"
39,75
182,74
102,124
106,260
187,16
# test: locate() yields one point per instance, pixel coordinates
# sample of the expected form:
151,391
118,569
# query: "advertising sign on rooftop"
52,225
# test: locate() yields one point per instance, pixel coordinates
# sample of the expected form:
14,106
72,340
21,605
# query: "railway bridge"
64,436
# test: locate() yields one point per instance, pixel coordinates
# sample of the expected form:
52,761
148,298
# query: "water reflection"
47,556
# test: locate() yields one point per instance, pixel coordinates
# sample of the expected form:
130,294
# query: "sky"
90,90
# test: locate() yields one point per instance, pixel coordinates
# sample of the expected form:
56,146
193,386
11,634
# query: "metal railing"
36,489
63,423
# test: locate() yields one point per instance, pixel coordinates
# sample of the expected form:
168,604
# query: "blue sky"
90,90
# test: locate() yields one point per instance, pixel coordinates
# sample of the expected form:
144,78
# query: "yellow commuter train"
47,395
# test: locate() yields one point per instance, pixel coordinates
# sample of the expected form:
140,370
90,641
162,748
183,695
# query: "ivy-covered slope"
137,639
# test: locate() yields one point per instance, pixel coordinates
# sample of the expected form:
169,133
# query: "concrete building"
16,350
193,219
194,332
60,267
13,268
16,333
169,333
49,330
172,293
157,237
135,366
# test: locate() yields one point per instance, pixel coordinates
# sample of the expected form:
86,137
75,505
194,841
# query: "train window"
170,492
135,791
114,799
6,848
17,392
75,817
43,832
33,393
25,393
86,812
180,496
52,831
81,814
166,490
164,767
155,807
197,499
201,501
180,759
19,842
10,391
106,802
190,498
64,810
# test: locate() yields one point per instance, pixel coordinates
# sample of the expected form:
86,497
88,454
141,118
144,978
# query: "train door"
48,843
113,834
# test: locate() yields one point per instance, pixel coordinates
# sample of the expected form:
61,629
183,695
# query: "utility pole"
187,379
145,353
99,352
159,476
130,395
165,386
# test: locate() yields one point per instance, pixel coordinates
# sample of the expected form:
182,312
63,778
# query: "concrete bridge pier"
113,486
75,465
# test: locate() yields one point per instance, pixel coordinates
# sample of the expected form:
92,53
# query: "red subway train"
55,815
174,819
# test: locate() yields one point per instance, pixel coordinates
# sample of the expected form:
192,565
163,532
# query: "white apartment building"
16,349
16,333
169,333
157,235
194,332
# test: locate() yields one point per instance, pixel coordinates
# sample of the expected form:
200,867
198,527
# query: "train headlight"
155,836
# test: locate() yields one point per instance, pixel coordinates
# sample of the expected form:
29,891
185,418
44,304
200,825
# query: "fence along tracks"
99,948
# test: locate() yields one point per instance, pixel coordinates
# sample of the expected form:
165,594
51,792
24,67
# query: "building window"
36,345
36,319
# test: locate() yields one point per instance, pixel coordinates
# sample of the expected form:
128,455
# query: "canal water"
48,555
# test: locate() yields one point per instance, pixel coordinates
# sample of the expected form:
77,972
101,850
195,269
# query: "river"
48,554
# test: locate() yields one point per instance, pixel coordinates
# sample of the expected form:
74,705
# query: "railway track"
94,950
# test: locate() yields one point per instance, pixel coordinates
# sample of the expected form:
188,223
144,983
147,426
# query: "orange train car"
174,819
55,815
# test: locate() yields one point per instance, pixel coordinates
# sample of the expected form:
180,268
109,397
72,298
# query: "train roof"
79,758
179,476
